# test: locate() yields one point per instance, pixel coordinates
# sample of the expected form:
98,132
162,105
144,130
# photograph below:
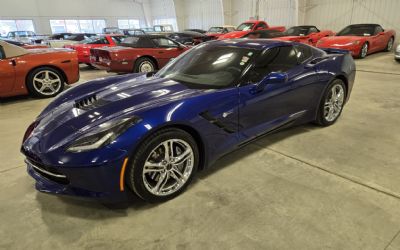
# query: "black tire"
389,45
144,63
134,174
397,60
361,56
321,120
54,73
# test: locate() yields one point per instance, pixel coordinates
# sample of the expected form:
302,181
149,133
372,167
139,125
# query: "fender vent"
89,102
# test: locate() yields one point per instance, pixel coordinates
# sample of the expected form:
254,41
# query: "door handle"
13,62
160,52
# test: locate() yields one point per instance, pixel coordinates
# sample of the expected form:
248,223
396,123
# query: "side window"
378,29
278,59
261,25
100,41
313,30
303,53
2,54
164,43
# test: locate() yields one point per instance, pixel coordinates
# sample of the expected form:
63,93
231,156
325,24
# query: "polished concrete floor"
304,188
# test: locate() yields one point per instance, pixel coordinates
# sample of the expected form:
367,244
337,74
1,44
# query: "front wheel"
332,103
389,45
164,165
364,50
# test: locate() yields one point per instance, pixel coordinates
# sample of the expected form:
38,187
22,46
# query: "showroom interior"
175,124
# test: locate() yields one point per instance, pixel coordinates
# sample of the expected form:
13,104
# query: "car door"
7,73
165,50
377,39
277,104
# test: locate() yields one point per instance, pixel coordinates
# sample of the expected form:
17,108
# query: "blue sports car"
150,133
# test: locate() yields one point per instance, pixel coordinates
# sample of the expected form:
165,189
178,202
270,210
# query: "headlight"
105,134
398,49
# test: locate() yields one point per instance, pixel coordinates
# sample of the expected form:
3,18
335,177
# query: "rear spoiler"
335,51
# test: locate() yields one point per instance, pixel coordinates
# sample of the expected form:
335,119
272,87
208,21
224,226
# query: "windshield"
22,33
245,26
297,31
362,30
216,29
208,66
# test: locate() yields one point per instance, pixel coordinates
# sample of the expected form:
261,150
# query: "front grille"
48,172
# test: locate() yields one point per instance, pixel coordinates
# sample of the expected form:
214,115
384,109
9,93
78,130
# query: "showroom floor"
304,188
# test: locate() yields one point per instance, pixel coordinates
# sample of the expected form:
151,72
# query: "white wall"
274,12
336,14
41,11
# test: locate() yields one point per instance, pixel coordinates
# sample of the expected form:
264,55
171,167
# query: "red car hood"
234,34
339,40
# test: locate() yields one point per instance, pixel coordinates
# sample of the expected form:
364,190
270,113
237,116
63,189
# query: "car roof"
249,43
364,24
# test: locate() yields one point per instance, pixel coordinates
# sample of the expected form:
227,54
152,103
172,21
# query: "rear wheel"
164,165
144,65
364,50
389,45
45,82
332,103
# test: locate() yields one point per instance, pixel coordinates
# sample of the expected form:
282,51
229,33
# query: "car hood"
234,34
339,39
124,97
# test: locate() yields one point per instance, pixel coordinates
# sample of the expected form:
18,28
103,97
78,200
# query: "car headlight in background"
398,49
103,135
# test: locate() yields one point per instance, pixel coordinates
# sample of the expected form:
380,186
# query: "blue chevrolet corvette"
149,134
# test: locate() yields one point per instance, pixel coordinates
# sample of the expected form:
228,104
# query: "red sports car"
83,47
39,72
217,31
249,26
137,54
305,34
360,39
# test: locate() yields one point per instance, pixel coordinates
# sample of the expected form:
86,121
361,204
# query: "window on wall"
162,21
128,24
77,26
15,25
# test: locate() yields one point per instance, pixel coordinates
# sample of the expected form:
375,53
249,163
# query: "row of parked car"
41,71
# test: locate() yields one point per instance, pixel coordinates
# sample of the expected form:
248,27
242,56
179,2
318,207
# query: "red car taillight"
29,131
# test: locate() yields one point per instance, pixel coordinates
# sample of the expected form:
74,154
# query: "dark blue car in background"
149,134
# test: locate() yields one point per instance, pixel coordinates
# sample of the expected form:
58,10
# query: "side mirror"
260,28
381,33
271,78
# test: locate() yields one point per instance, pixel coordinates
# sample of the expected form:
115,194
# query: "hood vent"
89,102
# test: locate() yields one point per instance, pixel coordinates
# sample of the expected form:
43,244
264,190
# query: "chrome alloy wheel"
334,102
168,167
47,82
364,50
146,67
390,44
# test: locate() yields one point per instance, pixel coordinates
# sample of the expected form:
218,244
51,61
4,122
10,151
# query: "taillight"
29,131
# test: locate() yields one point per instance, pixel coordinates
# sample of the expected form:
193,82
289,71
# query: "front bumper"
397,55
100,183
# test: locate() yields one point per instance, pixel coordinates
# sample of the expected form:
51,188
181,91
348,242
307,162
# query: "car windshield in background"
362,30
129,41
23,33
297,31
245,26
118,39
89,39
216,29
208,66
